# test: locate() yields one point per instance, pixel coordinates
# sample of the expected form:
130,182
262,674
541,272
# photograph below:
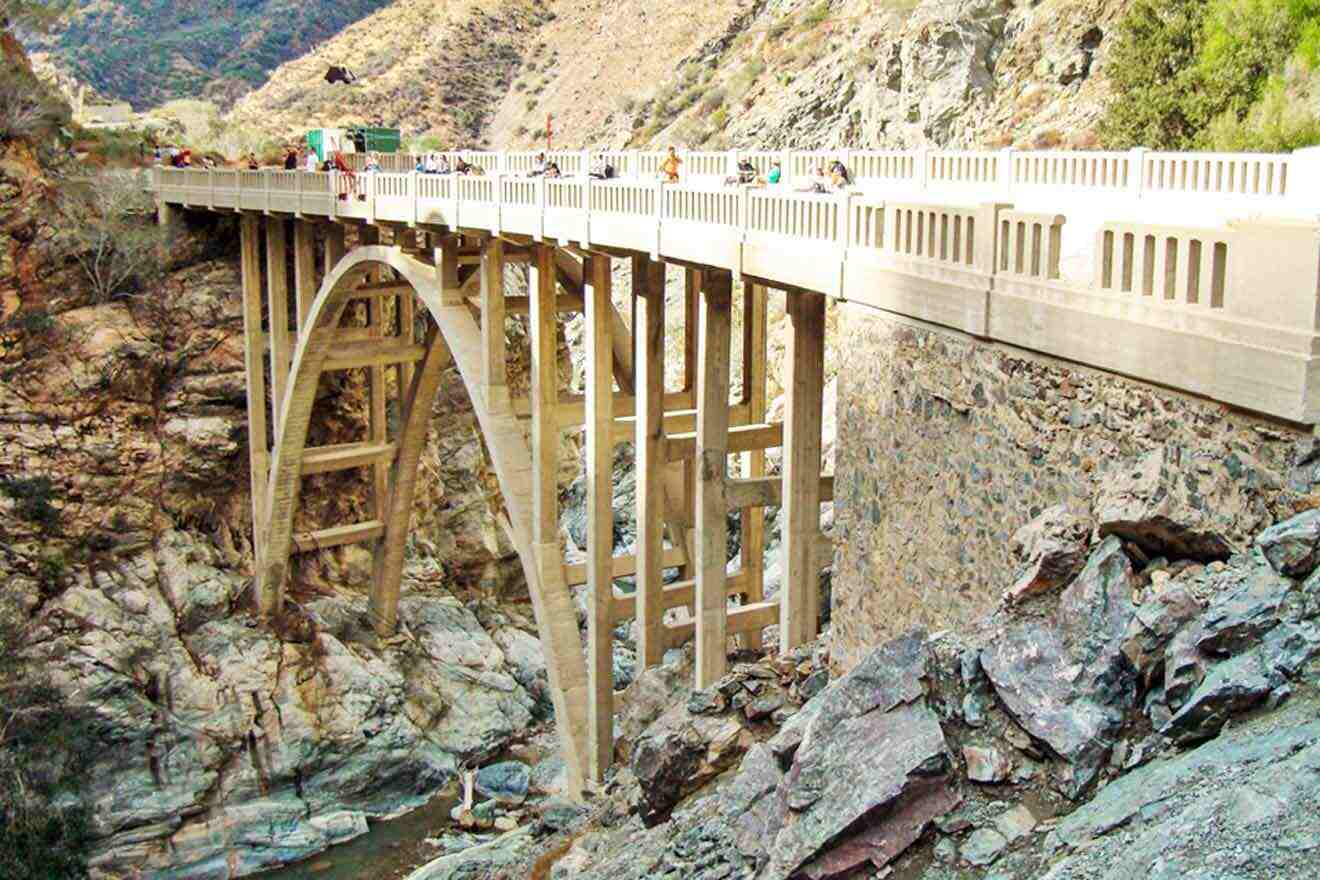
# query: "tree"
1150,67
110,234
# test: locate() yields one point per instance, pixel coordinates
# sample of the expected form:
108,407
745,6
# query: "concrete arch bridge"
1193,271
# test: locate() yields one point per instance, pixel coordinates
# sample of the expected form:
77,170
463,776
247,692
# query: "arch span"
454,333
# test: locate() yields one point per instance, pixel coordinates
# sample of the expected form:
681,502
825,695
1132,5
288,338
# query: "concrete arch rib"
457,334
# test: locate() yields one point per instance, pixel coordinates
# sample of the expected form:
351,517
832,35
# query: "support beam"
687,472
388,562
304,269
334,247
258,448
494,378
600,516
751,545
520,305
800,591
741,620
570,274
649,366
624,565
360,355
679,594
338,536
446,261
754,493
742,438
712,467
344,456
277,283
564,666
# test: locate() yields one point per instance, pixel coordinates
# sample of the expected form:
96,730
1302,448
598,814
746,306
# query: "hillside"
714,75
150,51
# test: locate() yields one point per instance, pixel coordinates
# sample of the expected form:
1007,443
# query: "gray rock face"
1051,550
664,763
1168,507
983,847
1069,686
223,750
1241,805
1293,546
506,782
1230,687
1154,625
876,710
986,764
1249,603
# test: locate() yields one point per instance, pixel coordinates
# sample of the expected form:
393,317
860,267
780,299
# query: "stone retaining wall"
948,444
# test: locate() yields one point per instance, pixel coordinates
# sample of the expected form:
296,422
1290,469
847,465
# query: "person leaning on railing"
669,168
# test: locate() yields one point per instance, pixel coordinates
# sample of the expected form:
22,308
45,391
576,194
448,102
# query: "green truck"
324,141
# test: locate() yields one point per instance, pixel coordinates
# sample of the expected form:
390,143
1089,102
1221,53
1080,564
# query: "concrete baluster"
1007,176
659,215
1302,180
1136,179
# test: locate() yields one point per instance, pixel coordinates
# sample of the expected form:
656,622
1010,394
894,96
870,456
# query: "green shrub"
32,496
816,14
44,744
1197,73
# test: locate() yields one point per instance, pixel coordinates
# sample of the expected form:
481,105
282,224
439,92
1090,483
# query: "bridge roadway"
1198,272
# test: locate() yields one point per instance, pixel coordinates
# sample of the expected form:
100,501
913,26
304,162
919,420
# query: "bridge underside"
304,290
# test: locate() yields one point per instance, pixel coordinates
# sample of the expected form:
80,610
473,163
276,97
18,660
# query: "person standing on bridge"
291,159
310,162
669,168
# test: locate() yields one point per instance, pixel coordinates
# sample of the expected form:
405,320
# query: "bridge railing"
1099,266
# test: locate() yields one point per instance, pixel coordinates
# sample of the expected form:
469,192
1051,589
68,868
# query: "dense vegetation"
1216,74
149,51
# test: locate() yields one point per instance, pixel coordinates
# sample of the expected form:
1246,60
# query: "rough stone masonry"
949,445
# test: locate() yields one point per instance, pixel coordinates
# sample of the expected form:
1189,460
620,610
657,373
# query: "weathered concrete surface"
947,446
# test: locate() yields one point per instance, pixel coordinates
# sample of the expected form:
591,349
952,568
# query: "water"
389,850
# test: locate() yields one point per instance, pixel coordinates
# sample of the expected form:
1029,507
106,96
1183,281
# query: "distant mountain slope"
422,65
150,51
712,75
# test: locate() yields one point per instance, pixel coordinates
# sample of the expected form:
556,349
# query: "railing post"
987,231
922,177
539,232
265,183
844,233
371,195
659,215
412,191
1302,180
786,165
1007,174
1137,171
497,193
210,187
586,207
586,162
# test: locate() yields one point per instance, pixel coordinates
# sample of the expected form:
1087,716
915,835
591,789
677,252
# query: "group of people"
180,158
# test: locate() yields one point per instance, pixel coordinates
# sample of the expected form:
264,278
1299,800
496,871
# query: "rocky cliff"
731,73
219,747
1139,718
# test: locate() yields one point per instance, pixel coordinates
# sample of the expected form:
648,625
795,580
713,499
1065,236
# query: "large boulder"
1293,546
1069,684
1051,550
1170,506
874,758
